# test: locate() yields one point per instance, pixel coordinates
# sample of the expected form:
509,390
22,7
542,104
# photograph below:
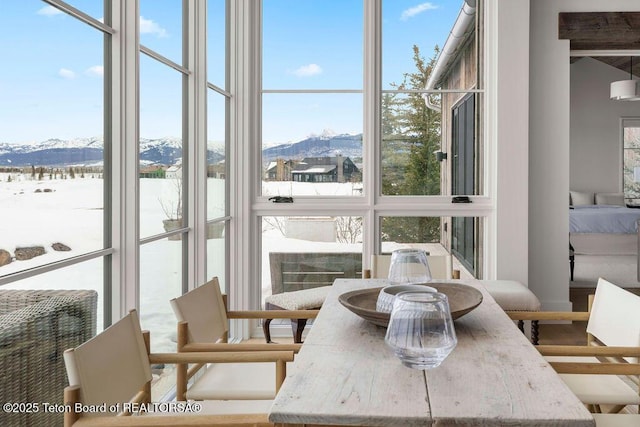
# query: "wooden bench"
301,280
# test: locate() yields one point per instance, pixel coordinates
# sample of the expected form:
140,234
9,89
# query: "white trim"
76,13
196,144
124,160
244,135
163,59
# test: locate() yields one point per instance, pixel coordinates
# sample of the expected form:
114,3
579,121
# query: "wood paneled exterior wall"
465,72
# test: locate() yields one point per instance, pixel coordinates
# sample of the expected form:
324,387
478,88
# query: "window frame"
372,205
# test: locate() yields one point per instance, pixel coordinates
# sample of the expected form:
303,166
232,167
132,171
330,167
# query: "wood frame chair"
111,373
569,367
613,335
203,326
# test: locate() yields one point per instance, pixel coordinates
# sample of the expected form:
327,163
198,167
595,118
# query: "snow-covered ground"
70,211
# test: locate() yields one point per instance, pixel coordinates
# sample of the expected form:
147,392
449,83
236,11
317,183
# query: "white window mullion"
124,157
244,86
196,142
371,127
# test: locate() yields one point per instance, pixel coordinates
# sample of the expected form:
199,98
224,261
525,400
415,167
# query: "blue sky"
52,82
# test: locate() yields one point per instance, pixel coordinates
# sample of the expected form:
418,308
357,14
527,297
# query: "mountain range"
167,151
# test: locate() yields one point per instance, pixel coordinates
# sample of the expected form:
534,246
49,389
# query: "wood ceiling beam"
600,30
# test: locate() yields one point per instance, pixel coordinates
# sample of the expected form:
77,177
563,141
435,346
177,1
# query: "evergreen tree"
411,133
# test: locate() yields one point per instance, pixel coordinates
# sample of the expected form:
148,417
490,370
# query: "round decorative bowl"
462,300
387,294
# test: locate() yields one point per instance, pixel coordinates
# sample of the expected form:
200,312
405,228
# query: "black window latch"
460,199
281,199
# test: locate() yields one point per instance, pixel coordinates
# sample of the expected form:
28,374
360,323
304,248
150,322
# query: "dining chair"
440,266
613,328
110,380
570,366
203,325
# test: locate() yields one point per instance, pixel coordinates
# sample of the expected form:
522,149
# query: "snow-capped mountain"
87,151
323,145
168,151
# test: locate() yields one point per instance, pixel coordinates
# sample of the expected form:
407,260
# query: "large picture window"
631,159
385,168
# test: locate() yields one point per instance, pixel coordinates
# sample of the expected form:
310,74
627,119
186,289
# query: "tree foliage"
410,135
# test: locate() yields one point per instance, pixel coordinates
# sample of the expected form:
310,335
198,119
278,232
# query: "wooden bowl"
462,299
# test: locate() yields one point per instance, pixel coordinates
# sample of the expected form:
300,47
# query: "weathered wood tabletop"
346,375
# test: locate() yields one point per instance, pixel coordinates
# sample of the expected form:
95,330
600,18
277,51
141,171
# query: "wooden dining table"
346,375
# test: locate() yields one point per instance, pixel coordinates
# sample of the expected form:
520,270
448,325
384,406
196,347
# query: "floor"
619,269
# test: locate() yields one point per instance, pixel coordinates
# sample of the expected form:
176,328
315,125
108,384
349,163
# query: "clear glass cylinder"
409,266
421,331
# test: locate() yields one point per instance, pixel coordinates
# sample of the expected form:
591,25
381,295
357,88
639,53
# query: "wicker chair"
36,326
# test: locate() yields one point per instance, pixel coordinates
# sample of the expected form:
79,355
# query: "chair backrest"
112,367
615,316
204,310
294,271
439,265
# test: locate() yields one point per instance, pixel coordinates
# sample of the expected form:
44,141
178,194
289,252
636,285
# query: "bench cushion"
512,295
305,299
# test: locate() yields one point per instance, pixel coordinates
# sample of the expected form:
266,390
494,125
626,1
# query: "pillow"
610,199
580,198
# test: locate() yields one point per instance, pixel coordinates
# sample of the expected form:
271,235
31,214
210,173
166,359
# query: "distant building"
280,170
217,170
325,169
153,171
174,171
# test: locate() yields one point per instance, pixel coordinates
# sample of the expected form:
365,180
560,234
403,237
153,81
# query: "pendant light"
626,90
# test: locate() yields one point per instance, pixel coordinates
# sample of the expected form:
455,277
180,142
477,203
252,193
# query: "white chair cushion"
617,420
239,381
597,389
601,389
300,300
512,295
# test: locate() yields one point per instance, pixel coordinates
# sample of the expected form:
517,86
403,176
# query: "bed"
601,224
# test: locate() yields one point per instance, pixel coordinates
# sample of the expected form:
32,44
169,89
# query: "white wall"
549,135
595,148
511,98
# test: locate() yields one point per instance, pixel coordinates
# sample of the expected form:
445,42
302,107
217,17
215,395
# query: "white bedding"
603,219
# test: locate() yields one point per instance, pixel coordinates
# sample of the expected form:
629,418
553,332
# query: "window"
631,158
53,179
379,152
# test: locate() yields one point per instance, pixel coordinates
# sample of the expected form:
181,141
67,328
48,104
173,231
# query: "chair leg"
521,325
267,332
572,265
297,325
535,330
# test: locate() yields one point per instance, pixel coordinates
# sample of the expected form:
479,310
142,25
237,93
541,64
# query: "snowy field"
70,211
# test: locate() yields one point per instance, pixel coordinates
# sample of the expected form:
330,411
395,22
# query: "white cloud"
147,26
49,11
66,73
96,70
308,70
415,10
